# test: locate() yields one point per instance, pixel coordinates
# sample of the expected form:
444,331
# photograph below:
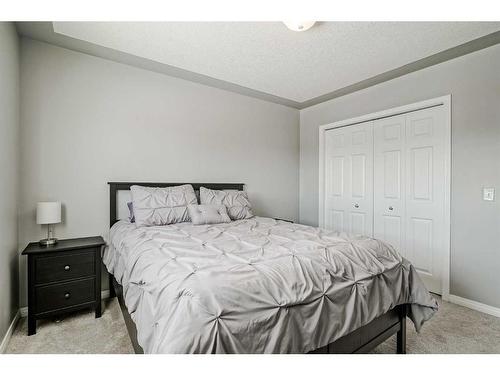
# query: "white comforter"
256,286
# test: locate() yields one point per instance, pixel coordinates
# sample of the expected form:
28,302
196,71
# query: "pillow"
237,203
131,217
161,206
208,214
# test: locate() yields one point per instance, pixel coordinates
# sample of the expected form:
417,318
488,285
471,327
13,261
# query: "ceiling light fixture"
299,25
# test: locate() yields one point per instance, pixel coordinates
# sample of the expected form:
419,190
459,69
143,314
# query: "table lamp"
48,213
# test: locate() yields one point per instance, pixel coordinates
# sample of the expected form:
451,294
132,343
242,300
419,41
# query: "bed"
259,285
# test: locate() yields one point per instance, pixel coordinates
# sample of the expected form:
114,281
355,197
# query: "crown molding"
448,54
44,31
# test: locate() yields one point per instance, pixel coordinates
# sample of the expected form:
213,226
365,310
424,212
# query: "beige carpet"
454,329
77,333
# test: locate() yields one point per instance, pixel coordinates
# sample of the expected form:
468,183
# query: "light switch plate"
488,194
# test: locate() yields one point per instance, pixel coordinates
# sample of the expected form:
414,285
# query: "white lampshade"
48,212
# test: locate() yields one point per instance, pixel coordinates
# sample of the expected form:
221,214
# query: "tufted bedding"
257,285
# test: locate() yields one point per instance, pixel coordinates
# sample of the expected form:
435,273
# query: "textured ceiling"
267,57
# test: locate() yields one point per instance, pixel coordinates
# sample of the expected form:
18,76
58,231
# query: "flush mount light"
299,25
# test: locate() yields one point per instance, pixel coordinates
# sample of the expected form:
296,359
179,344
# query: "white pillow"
161,206
208,214
237,202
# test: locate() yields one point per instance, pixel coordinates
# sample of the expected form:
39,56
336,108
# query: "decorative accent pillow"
237,202
161,206
131,217
208,214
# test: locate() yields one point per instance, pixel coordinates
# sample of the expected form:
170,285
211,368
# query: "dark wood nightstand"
63,277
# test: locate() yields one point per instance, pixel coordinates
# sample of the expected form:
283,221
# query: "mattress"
256,286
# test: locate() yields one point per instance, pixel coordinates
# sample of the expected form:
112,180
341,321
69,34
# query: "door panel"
389,184
336,187
358,223
360,202
420,248
425,194
392,231
422,126
359,137
393,131
421,173
358,174
338,140
348,179
392,174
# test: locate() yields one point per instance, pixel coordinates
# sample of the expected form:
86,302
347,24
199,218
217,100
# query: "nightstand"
63,277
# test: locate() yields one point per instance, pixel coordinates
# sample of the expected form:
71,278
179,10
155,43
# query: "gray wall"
474,82
9,173
86,121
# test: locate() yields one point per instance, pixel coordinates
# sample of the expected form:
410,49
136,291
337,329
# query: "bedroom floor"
454,329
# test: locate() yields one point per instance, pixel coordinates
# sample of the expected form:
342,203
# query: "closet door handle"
356,205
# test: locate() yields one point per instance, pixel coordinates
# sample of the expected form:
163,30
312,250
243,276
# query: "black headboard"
114,187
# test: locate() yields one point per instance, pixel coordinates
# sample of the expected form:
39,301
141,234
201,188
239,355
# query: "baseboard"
8,334
478,306
24,310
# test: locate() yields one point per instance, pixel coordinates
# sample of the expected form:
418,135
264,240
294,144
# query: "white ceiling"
267,57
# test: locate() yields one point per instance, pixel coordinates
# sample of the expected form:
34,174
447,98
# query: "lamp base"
48,241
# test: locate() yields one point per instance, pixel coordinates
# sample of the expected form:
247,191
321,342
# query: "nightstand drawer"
71,293
68,266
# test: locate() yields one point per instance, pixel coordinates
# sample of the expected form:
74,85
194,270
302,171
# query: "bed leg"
112,292
401,335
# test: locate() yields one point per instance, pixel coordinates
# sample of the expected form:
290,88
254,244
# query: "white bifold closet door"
409,190
390,181
385,178
349,179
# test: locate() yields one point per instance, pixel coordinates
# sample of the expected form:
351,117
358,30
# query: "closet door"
425,193
349,179
409,189
389,181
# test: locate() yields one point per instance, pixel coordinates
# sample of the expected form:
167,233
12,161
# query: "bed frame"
362,340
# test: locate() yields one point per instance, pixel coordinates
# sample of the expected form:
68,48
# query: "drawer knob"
67,295
391,208
356,205
66,268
